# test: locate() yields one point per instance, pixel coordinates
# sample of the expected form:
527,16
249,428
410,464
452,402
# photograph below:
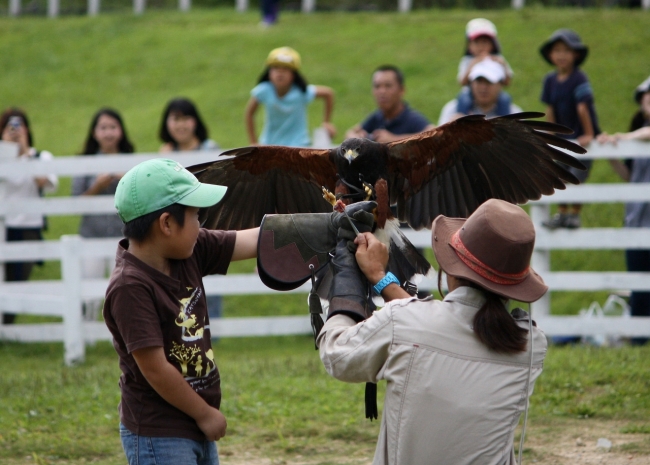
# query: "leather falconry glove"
349,294
350,291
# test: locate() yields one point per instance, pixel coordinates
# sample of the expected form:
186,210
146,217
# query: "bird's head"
350,155
351,149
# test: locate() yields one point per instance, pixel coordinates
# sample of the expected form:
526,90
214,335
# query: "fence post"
517,4
241,5
404,6
184,5
645,4
308,6
73,339
52,8
93,7
138,6
541,259
14,7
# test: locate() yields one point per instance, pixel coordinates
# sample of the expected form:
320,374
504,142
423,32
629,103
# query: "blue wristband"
385,281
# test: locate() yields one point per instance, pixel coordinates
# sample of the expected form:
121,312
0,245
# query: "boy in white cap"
485,95
156,311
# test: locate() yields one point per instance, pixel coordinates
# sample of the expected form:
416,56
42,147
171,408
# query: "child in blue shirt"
569,101
285,96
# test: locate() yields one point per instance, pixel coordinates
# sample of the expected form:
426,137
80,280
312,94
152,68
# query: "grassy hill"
61,71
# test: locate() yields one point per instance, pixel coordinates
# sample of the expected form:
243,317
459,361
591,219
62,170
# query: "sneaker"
572,221
556,221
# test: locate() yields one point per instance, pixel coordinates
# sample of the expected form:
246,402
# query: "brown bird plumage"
449,170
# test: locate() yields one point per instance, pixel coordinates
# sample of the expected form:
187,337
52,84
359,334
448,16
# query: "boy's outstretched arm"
246,244
327,94
172,387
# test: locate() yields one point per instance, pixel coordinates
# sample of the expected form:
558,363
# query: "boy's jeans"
142,450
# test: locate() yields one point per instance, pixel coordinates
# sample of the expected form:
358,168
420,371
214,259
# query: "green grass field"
277,397
279,401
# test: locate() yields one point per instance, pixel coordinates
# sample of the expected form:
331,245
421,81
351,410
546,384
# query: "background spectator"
270,10
393,119
569,101
484,97
285,94
23,226
637,214
482,42
182,129
106,135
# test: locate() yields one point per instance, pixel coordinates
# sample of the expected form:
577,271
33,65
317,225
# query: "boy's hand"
213,424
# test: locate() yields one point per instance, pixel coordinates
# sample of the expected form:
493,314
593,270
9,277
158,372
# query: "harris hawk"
449,170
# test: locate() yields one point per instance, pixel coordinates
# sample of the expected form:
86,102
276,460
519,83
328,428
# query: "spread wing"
454,168
266,179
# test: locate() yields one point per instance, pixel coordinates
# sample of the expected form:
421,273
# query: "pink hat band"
481,268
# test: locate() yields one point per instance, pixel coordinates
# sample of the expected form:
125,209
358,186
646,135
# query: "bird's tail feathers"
405,261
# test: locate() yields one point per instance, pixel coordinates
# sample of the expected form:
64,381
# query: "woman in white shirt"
23,226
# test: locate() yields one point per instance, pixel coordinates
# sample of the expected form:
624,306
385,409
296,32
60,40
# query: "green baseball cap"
158,183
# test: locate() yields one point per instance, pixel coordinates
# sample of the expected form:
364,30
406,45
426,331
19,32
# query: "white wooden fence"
307,6
63,298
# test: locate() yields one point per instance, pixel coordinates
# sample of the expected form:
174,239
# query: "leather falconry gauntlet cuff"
289,244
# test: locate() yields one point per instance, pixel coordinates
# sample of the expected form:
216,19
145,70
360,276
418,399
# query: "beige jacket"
449,400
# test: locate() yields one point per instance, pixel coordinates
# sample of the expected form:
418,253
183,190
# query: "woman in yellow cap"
285,95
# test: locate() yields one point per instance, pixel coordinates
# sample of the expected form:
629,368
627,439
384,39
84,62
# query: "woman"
459,371
106,136
23,226
637,214
182,129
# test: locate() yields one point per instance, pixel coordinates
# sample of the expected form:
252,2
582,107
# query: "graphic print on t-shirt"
191,330
193,360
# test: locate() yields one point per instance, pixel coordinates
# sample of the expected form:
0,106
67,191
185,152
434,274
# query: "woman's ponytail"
497,329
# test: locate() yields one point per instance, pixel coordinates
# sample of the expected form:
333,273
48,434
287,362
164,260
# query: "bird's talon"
368,190
328,196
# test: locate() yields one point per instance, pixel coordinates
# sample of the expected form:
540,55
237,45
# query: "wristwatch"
385,281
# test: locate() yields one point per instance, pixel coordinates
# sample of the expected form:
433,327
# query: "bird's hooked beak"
350,155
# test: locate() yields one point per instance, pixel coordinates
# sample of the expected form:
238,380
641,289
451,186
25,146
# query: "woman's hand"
372,257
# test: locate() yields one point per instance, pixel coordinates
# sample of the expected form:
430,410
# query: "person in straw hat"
460,370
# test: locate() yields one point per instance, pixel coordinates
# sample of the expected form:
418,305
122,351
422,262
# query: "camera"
15,122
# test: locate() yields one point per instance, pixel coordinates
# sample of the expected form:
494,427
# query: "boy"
569,101
156,311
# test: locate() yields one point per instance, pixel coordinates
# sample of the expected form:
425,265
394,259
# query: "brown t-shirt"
147,308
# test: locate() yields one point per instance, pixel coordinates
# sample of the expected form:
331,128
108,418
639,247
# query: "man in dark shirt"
394,119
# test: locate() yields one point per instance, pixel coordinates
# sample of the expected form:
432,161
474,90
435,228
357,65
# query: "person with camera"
460,370
23,226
